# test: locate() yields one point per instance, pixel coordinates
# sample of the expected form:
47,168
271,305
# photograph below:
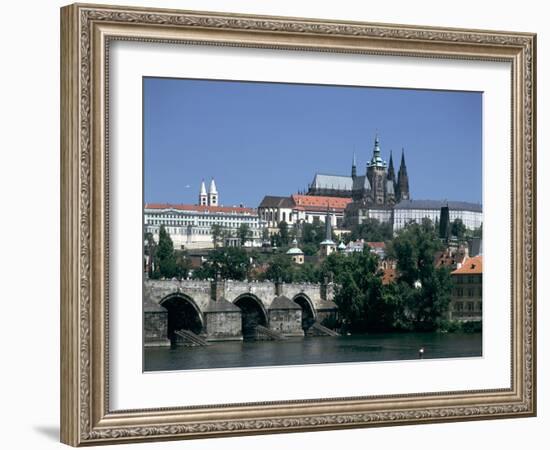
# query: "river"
315,350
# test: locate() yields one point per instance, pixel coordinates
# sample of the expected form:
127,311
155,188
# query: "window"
460,292
459,306
470,292
470,306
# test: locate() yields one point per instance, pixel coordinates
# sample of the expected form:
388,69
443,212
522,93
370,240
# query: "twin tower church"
209,198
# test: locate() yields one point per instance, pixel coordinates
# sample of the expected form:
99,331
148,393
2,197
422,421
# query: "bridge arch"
183,313
309,314
253,313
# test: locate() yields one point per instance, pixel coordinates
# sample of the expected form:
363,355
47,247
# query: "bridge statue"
196,312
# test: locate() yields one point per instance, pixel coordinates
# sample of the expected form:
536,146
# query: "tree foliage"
360,294
231,263
283,236
371,230
282,268
166,260
458,228
217,234
244,234
313,233
424,289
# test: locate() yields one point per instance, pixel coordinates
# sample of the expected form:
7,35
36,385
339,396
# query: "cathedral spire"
376,160
391,171
353,167
403,179
403,165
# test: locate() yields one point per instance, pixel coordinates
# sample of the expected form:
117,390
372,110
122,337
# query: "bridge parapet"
201,290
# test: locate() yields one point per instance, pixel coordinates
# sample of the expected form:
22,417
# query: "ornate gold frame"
86,31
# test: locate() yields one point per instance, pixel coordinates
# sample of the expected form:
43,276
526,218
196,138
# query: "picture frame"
87,32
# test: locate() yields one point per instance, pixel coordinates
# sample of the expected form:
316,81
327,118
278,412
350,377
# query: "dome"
294,251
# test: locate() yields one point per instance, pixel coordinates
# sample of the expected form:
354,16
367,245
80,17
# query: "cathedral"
373,194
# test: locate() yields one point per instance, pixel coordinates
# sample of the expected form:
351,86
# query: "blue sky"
260,139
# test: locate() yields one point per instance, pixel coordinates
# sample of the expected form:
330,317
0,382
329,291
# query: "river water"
315,350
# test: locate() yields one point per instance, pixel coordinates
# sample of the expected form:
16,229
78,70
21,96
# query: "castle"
374,194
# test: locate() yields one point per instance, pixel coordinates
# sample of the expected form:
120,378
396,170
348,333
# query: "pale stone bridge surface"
229,310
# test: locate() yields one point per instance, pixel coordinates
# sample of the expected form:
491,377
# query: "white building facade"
298,208
190,226
407,211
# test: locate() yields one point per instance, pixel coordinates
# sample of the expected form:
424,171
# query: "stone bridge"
232,310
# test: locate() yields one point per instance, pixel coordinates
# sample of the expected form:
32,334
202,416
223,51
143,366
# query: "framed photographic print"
275,224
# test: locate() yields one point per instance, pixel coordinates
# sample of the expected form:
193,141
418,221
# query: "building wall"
272,216
192,230
466,298
471,219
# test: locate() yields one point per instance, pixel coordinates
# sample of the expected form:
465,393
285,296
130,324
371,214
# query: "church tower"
376,173
403,180
212,194
391,171
327,246
353,167
203,196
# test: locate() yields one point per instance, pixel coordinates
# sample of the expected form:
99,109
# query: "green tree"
360,294
458,228
306,272
424,289
310,249
150,251
371,230
284,237
280,268
166,260
244,233
231,263
313,233
183,265
217,233
478,232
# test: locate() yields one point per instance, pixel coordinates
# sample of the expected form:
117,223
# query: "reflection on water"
315,350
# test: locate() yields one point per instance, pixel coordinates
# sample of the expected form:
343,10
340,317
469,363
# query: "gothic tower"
391,171
403,179
376,173
212,194
203,196
353,167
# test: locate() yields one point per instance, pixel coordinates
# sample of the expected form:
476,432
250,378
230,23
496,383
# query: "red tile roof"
470,266
320,202
199,208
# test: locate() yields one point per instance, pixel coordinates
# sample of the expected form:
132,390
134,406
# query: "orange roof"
471,266
199,208
317,201
389,275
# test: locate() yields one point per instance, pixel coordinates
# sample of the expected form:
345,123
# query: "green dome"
294,251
